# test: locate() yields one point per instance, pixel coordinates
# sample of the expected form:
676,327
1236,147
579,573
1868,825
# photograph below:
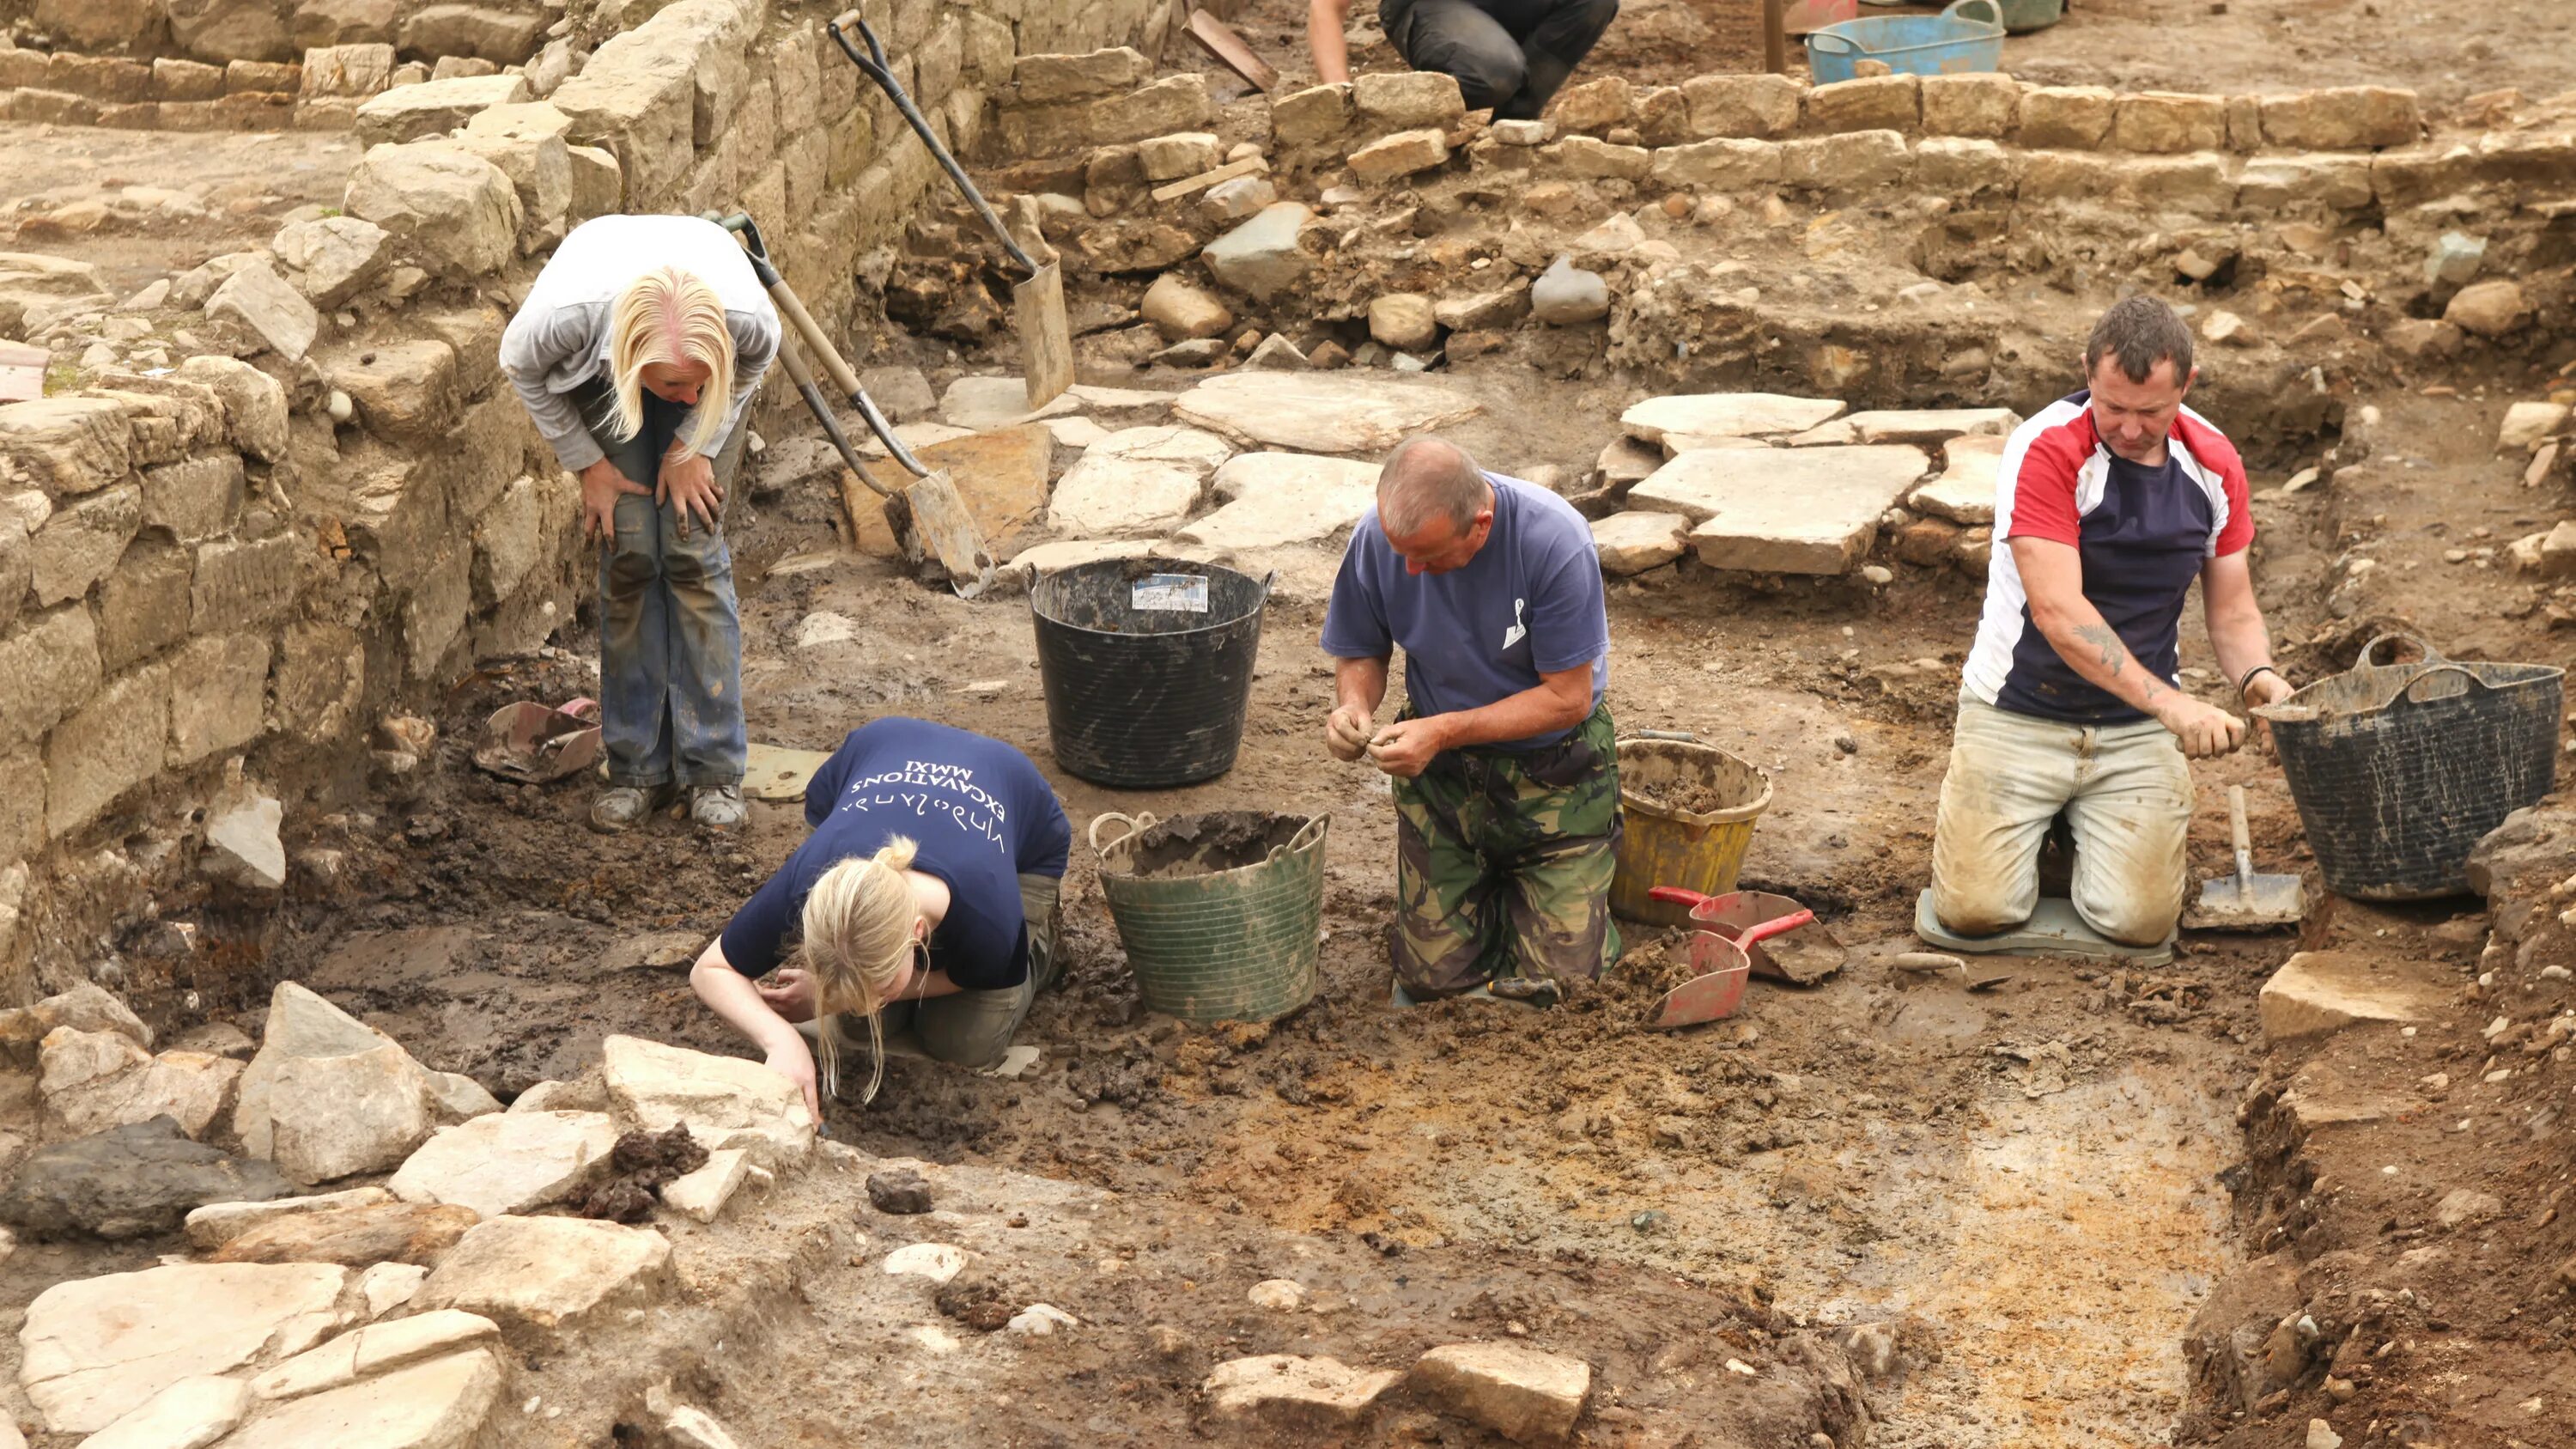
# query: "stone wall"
259,556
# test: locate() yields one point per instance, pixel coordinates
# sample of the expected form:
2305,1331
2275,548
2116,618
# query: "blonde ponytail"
858,927
670,318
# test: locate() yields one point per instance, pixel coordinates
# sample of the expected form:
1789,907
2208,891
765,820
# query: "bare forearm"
1359,684
2094,650
1324,21
2240,640
731,995
1533,711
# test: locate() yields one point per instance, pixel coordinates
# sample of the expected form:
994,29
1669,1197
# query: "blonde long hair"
858,927
670,318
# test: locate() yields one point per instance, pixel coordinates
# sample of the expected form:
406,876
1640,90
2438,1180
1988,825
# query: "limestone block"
1566,295
95,1348
726,1101
458,212
2068,176
509,541
1724,164
356,1236
331,259
242,584
219,695
332,1116
2318,992
189,1414
97,24
344,22
215,1224
2199,184
1633,542
1408,100
1136,481
1169,158
1048,79
1179,309
433,108
793,63
701,1196
540,170
1798,510
443,1402
1001,474
1872,103
228,30
1588,156
2269,185
342,70
1845,162
1986,105
991,50
389,1286
1174,103
17,568
1481,310
321,679
507,1162
2527,423
1262,257
433,617
2167,122
1595,106
1280,499
1522,1393
254,403
2074,118
2345,118
501,34
1742,105
547,1273
1395,157
1965,491
48,666
262,78
2489,309
94,1081
100,77
1312,116
1288,1392
82,541
65,444
1958,166
405,392
597,185
639,105
1331,412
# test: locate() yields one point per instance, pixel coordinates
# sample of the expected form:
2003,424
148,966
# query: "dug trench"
1964,1218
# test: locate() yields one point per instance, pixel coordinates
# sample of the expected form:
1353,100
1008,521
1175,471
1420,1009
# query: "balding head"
1429,478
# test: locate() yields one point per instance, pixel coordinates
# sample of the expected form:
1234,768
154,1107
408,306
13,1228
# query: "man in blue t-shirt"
1505,767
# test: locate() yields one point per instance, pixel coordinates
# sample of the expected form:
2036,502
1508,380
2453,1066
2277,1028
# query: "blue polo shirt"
981,815
1529,603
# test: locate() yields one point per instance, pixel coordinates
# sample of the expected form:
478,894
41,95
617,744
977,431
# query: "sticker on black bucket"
1172,593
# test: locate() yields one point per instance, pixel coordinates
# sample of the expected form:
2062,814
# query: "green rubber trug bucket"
1222,914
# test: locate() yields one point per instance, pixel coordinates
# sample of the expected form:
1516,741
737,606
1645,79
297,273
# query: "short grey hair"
2140,331
1425,478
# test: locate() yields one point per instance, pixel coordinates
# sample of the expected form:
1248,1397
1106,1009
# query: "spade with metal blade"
2242,900
1046,334
930,521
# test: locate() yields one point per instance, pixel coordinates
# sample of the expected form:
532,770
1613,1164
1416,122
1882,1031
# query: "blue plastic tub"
1969,36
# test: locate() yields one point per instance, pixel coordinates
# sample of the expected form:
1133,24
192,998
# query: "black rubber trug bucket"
1144,699
2400,769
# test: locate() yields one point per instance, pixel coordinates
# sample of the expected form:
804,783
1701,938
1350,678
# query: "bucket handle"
1976,11
1307,834
2445,666
1137,824
1827,42
2398,636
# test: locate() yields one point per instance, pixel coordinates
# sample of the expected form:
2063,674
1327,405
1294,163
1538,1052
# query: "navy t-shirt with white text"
979,812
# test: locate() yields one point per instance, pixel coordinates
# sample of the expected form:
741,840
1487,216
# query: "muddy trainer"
2111,502
926,897
637,352
1506,775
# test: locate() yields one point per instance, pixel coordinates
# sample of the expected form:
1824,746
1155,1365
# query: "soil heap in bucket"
2400,769
1689,814
1221,914
1147,673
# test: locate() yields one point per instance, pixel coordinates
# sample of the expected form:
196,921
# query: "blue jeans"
670,633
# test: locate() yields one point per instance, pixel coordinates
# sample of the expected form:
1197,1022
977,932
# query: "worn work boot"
623,807
718,807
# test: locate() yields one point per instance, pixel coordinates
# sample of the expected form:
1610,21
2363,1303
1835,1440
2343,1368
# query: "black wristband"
2243,684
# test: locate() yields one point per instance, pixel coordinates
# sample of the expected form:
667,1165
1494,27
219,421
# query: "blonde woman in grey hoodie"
637,354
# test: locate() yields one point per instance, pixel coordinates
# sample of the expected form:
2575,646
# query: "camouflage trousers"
1503,864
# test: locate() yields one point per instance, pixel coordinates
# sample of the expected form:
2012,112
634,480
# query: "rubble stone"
388,1286
1136,481
86,1007
2318,992
67,445
1179,310
338,1115
1262,257
354,1237
254,403
1407,100
1631,543
82,541
1403,320
507,1162
1278,499
1566,295
433,108
1049,79
133,1181
261,301
1799,510
1290,1392
1930,425
1169,158
1391,158
546,1272
726,1101
1742,105
1311,116
1524,1394
243,846
1679,420
94,1348
97,1080
434,1405
215,1224
2489,309
2527,423
1320,412
457,211
301,1025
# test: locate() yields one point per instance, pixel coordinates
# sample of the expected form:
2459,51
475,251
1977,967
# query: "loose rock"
1631,543
508,1162
355,1237
1294,1392
1521,1393
1403,320
937,1262
2489,309
1279,1295
547,1272
1566,295
1180,311
135,1181
899,1190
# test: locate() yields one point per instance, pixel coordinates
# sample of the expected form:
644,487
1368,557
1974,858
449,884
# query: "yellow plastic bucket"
1690,812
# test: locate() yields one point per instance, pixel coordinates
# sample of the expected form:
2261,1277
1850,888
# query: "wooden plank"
22,372
1775,37
1248,166
1219,40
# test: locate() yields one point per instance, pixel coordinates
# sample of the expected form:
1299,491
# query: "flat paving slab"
1782,510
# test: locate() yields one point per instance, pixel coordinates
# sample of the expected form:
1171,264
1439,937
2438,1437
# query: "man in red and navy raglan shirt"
2110,503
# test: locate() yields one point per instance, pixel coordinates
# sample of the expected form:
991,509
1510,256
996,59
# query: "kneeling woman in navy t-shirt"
926,896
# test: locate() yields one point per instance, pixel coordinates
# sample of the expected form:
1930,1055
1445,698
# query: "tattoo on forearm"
2115,654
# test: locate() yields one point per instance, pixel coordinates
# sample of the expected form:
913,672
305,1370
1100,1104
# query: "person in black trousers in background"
1510,55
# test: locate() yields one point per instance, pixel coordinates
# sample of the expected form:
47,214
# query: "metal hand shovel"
2242,900
1046,335
931,523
